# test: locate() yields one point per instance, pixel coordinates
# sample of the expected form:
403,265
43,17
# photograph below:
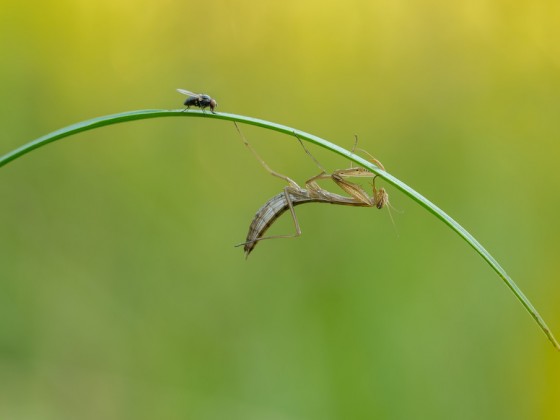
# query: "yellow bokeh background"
121,293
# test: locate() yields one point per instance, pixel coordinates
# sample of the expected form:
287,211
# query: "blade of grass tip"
477,246
424,202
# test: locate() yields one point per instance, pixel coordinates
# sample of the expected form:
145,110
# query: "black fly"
200,100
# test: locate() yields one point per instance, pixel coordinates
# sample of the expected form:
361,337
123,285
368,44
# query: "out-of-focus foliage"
121,294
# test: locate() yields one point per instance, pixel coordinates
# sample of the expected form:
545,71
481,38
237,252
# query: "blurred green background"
121,294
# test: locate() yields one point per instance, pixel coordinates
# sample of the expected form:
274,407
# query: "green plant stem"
424,202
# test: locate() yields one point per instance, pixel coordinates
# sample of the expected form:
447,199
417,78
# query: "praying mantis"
294,195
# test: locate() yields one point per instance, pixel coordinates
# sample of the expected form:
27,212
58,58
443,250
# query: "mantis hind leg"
262,227
291,182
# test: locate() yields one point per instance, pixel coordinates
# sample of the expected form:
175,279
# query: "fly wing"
187,92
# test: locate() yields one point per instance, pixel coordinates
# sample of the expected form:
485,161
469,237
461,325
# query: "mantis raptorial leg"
380,197
294,195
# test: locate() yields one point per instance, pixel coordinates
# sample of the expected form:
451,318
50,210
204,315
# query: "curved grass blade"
420,199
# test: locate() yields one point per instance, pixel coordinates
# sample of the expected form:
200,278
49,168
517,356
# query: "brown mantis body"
294,195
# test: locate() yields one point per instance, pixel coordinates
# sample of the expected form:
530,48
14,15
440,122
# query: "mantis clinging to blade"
294,195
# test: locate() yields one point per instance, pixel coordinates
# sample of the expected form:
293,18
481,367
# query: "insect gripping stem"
129,116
